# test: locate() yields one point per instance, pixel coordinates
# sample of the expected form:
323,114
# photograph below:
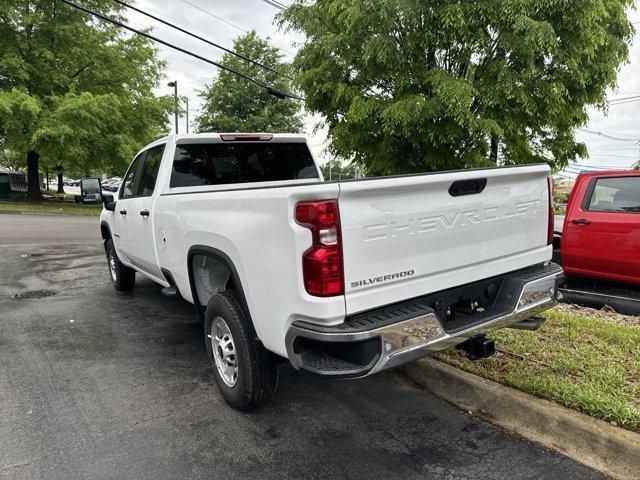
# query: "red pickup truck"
600,238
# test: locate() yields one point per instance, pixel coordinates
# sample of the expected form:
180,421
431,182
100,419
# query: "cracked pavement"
99,384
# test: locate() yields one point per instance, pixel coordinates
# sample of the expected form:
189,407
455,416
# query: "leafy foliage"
233,104
75,91
336,170
413,86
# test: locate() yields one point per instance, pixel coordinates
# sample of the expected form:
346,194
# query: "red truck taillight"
551,212
322,267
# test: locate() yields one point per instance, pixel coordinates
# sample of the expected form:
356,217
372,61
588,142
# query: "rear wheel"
246,373
122,277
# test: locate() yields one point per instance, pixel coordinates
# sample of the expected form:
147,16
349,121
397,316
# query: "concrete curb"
595,443
50,214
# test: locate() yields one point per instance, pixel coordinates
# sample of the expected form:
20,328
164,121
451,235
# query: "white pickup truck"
343,279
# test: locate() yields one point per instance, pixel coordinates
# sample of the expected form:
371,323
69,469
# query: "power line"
180,29
574,171
627,97
215,16
621,149
612,156
609,136
577,170
271,90
275,4
207,12
623,102
600,167
611,167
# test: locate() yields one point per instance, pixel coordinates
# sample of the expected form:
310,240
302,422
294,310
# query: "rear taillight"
322,263
551,212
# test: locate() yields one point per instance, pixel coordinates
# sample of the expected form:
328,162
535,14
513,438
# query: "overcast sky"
622,121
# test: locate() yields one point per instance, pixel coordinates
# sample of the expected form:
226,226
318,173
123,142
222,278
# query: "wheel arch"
234,279
105,231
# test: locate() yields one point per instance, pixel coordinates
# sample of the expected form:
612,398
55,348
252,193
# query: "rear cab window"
615,194
198,164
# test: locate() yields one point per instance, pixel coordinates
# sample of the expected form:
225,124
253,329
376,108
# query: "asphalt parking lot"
95,383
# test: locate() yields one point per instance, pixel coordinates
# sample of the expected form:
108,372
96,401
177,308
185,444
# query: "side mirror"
109,202
90,190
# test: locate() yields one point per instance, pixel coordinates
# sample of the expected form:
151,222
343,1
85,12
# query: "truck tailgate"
407,236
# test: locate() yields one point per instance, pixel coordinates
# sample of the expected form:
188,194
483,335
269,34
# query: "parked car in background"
112,186
598,244
343,279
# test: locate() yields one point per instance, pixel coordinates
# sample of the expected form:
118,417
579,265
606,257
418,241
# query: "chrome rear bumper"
368,343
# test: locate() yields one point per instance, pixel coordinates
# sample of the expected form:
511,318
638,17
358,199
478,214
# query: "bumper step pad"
385,337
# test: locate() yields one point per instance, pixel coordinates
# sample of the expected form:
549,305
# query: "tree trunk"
60,181
33,179
494,149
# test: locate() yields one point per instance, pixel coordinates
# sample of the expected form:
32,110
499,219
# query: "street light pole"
174,84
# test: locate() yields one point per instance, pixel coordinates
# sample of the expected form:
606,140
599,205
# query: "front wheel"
122,277
246,373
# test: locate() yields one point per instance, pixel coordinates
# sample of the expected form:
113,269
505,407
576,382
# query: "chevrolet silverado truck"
598,241
343,279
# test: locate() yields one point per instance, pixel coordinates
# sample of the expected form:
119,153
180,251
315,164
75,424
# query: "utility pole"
174,84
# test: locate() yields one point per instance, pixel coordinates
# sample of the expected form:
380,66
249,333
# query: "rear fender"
234,279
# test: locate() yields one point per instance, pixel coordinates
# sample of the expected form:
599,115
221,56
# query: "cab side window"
149,171
130,182
616,194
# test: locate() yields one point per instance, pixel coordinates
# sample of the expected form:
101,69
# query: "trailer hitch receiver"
478,347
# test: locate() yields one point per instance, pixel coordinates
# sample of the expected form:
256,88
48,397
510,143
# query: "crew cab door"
142,250
601,236
123,207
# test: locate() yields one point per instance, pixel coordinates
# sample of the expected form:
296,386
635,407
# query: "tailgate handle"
467,187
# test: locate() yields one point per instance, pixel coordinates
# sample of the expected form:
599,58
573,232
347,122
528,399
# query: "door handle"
144,213
581,221
123,212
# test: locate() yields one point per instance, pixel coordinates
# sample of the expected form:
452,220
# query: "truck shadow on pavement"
101,384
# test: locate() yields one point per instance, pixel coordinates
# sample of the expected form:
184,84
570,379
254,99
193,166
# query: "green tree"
234,104
336,170
75,92
412,85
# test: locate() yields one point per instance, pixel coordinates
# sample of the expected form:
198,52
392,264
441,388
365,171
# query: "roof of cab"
609,173
217,135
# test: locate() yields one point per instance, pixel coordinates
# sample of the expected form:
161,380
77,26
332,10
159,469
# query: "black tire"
122,277
256,372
